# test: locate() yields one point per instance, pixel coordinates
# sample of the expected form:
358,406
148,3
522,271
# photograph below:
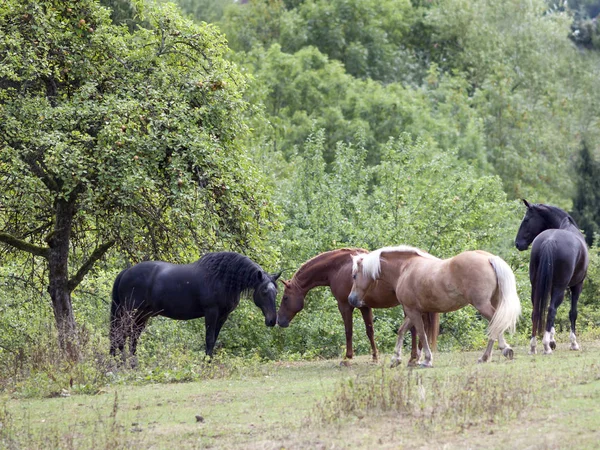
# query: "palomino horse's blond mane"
371,262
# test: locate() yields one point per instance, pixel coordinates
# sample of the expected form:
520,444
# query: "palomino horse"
559,260
210,287
424,283
334,269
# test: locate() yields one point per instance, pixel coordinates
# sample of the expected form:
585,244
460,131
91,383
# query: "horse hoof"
426,364
508,353
575,347
548,351
395,363
553,345
345,363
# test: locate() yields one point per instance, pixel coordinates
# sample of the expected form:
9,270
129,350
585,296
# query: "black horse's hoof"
553,345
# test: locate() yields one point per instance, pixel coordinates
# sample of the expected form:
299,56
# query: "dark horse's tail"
543,284
115,335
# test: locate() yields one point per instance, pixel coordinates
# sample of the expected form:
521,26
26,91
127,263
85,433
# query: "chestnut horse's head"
291,303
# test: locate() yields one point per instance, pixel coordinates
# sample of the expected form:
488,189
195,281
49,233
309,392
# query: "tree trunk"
58,288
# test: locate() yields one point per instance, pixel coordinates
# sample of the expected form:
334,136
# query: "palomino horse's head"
362,282
265,294
292,302
533,224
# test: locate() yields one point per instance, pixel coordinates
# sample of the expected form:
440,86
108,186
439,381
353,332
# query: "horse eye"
354,276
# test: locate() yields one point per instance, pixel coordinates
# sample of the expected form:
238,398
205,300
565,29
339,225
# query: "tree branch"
83,270
24,245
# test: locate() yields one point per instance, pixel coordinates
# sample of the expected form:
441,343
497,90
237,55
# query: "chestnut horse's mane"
371,262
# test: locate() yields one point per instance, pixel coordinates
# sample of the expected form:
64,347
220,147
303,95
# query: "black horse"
210,287
559,260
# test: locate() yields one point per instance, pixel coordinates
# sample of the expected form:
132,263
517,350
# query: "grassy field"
531,402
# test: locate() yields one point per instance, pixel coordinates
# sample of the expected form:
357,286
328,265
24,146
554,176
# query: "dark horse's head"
265,294
291,303
538,218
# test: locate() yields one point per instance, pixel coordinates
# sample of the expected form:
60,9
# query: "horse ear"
260,276
527,204
285,283
276,275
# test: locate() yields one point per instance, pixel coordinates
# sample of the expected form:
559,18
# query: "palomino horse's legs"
556,299
487,311
397,357
367,314
575,291
346,312
506,349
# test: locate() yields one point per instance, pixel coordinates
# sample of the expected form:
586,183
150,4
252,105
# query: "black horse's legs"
575,292
556,299
138,327
213,321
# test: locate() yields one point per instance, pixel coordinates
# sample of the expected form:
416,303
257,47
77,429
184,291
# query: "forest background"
278,129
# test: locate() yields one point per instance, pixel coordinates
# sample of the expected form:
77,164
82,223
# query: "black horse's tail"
115,324
543,285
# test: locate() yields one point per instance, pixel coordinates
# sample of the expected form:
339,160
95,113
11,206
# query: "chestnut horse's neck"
318,270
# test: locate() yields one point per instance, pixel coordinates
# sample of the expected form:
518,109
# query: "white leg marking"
532,345
546,343
574,344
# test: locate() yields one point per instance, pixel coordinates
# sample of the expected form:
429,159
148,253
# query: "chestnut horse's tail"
432,328
508,308
543,285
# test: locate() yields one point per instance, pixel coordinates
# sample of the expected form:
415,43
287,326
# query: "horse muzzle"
271,321
521,245
355,301
283,322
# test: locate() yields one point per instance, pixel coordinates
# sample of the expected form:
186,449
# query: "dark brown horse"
334,269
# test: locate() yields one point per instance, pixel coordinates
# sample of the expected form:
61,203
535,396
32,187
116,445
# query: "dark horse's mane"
237,273
554,211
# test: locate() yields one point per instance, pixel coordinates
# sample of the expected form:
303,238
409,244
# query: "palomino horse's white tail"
508,309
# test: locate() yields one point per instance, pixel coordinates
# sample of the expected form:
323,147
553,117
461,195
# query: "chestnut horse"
424,283
559,261
334,269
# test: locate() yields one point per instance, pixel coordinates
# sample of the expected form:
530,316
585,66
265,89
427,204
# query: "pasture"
531,402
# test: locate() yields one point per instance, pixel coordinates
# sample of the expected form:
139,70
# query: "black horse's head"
265,294
533,224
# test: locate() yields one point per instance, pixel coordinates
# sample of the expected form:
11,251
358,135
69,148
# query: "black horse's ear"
275,276
526,203
260,276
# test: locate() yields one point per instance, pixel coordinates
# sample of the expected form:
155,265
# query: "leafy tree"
112,138
586,204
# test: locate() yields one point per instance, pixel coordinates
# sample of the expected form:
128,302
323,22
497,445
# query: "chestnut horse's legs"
367,314
415,352
346,312
397,356
417,319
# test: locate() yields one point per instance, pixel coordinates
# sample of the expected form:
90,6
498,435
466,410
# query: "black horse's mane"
237,273
557,212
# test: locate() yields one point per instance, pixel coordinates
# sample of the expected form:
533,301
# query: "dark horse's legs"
213,321
575,292
556,298
134,334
